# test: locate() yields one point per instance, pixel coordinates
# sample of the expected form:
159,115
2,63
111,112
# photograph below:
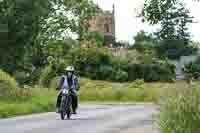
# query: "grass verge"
43,100
40,101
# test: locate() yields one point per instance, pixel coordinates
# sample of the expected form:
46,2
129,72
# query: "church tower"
113,20
104,22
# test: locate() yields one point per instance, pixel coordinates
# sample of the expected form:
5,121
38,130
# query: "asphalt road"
90,119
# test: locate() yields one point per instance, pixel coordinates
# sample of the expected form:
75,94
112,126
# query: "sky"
127,24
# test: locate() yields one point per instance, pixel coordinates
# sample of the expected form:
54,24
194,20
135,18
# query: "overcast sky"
127,25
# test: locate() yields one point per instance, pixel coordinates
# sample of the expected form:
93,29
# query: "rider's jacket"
66,83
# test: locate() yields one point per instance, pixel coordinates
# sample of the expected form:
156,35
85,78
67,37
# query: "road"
90,119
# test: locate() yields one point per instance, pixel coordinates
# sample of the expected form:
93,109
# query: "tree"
174,19
154,10
82,11
184,19
22,20
69,17
28,25
144,41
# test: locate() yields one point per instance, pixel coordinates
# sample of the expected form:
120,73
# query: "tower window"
106,26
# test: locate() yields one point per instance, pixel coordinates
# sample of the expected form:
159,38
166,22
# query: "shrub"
54,82
58,48
150,72
193,69
180,112
89,60
121,76
8,85
35,76
143,41
174,49
100,64
97,37
105,73
47,74
21,77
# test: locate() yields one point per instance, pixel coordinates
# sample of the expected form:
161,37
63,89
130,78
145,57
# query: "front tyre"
68,114
62,109
62,115
69,110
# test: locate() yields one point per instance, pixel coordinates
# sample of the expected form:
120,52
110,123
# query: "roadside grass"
92,91
179,112
41,100
131,92
104,91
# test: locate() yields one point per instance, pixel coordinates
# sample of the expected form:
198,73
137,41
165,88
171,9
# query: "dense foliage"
101,64
8,85
27,27
192,70
41,42
174,19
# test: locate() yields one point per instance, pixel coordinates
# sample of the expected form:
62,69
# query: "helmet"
70,69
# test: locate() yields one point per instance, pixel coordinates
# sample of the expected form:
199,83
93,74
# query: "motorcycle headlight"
65,91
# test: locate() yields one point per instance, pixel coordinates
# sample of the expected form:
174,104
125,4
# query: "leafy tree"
69,18
154,10
184,19
174,19
26,26
22,19
144,41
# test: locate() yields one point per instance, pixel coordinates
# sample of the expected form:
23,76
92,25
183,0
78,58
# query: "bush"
8,85
35,76
100,64
180,112
193,69
174,49
21,77
150,72
58,48
105,73
54,83
96,37
143,41
47,74
89,60
121,76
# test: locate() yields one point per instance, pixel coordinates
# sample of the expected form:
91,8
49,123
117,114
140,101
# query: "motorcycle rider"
69,80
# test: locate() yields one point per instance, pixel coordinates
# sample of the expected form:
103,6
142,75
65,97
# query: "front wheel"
62,115
62,109
69,110
68,114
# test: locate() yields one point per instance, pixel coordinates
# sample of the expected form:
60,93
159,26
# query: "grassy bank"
115,92
43,100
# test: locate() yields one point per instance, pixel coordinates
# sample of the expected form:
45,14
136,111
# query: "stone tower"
104,22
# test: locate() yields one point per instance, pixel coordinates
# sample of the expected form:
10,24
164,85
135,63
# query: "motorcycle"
66,104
